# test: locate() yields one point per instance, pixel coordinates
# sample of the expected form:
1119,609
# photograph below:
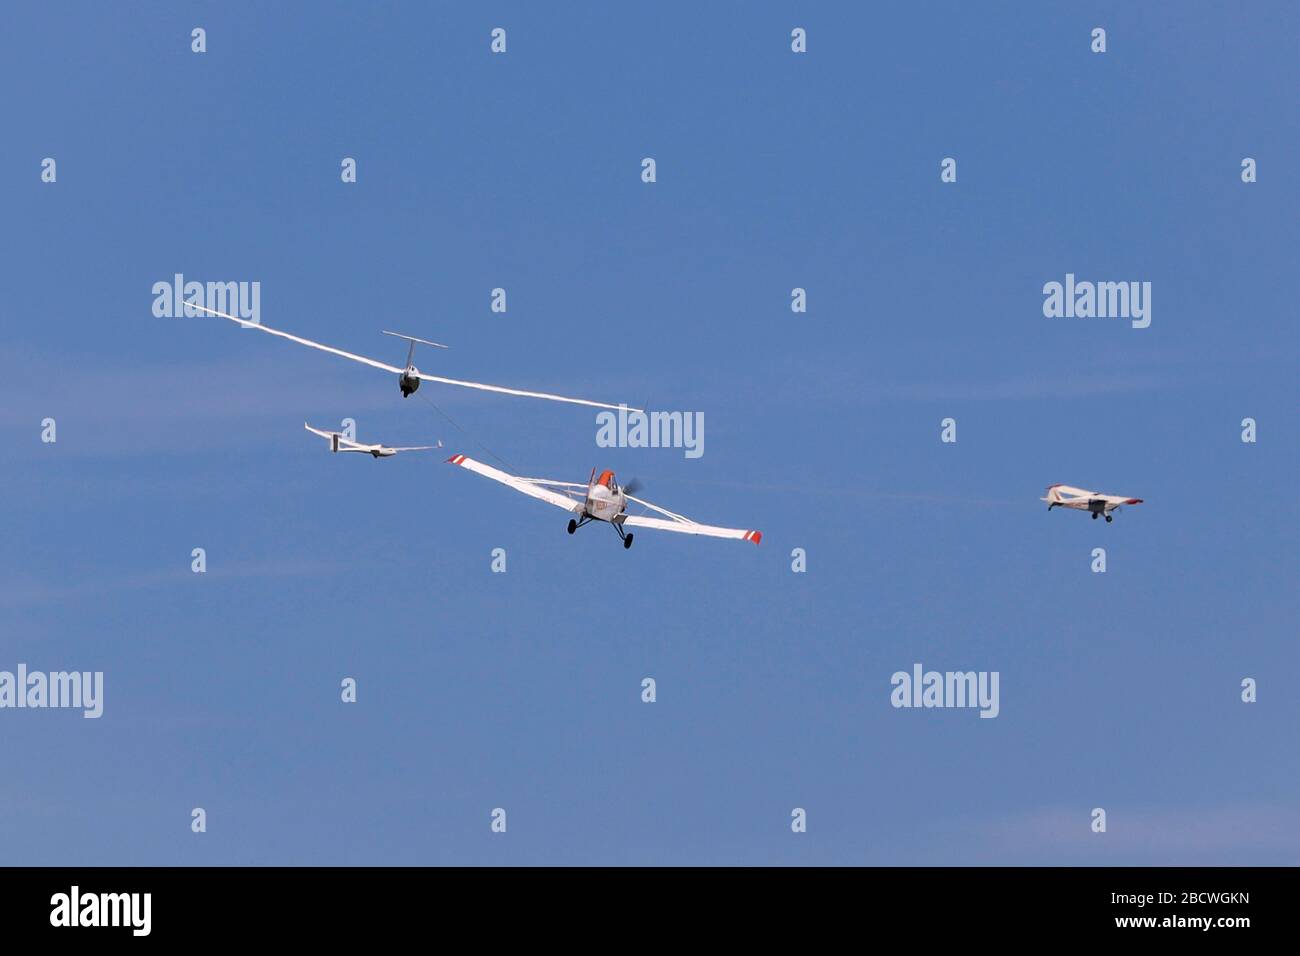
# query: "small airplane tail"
1053,496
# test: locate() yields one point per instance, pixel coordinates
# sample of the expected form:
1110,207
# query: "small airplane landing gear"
573,526
627,542
1109,518
1094,516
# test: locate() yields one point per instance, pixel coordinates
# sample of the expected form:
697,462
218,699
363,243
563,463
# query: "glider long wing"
520,392
344,444
374,363
301,341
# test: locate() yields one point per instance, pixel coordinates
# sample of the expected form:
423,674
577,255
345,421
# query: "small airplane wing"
572,488
397,371
1120,500
1071,492
555,484
344,444
690,527
528,487
1080,499
682,525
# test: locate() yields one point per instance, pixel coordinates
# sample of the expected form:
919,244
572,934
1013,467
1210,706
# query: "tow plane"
1079,499
338,443
408,377
602,499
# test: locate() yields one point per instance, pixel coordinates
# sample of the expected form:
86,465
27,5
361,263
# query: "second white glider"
340,443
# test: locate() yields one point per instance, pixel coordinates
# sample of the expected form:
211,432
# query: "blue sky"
522,690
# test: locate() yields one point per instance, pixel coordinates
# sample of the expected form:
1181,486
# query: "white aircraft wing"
690,527
1120,500
532,489
1074,492
520,392
1067,496
418,447
682,525
572,488
301,341
344,444
397,371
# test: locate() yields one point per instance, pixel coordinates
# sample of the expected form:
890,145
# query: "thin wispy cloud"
1179,835
28,591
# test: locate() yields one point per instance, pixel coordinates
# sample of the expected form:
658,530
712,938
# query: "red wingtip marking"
755,536
455,459
1133,501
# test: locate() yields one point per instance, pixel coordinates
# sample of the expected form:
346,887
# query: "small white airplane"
339,443
1063,496
408,377
601,499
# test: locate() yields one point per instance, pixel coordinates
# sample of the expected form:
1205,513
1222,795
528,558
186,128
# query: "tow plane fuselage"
1080,499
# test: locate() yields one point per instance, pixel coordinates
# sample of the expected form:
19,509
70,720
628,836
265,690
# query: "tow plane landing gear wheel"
627,542
573,526
1109,519
1094,516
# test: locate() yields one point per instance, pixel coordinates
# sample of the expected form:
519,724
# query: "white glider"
1079,499
339,443
408,378
601,499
